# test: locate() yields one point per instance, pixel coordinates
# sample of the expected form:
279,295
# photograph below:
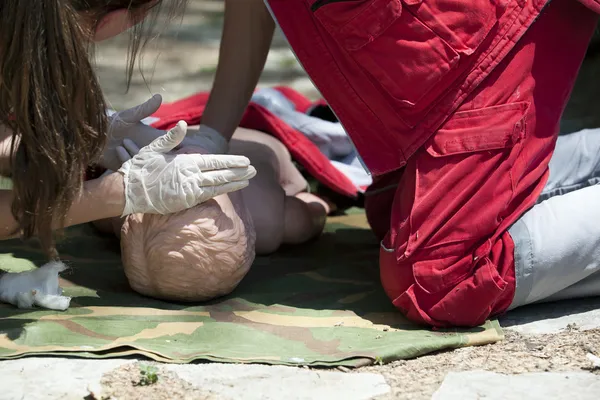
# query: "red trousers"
446,257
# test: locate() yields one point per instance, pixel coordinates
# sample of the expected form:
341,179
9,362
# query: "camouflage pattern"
320,304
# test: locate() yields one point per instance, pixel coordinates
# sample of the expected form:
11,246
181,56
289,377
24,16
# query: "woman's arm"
100,198
247,36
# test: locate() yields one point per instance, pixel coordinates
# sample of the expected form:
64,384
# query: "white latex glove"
126,124
38,287
160,182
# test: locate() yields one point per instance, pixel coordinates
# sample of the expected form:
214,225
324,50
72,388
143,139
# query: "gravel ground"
517,354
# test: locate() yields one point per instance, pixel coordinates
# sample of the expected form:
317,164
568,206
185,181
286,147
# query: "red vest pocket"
405,58
464,25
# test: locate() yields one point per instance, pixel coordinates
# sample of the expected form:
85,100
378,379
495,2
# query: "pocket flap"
355,23
491,128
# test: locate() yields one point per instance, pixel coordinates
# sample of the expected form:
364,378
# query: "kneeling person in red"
454,107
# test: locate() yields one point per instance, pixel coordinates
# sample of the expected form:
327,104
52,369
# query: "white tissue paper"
38,287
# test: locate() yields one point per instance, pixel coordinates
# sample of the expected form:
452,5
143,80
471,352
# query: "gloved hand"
160,182
126,124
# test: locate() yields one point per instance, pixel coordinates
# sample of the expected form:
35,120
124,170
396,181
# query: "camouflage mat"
320,304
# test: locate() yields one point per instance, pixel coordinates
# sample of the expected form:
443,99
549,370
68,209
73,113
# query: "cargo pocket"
472,301
408,59
463,25
463,185
403,56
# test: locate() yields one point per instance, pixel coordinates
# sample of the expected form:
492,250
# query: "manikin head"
194,255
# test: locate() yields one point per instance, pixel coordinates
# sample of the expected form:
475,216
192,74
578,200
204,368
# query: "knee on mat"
461,291
193,255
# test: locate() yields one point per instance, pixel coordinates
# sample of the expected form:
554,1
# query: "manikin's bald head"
194,255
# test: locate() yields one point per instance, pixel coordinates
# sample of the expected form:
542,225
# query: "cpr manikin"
204,252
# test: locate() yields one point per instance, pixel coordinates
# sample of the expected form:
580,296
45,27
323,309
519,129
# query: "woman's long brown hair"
52,101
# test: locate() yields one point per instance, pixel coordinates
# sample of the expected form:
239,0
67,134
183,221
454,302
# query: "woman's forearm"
247,35
100,198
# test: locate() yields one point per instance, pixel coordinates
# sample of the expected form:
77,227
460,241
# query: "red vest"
394,70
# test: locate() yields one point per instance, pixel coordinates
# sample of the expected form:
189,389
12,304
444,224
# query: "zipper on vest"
320,3
300,63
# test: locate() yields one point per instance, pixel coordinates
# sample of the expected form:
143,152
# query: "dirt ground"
181,62
421,377
126,383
